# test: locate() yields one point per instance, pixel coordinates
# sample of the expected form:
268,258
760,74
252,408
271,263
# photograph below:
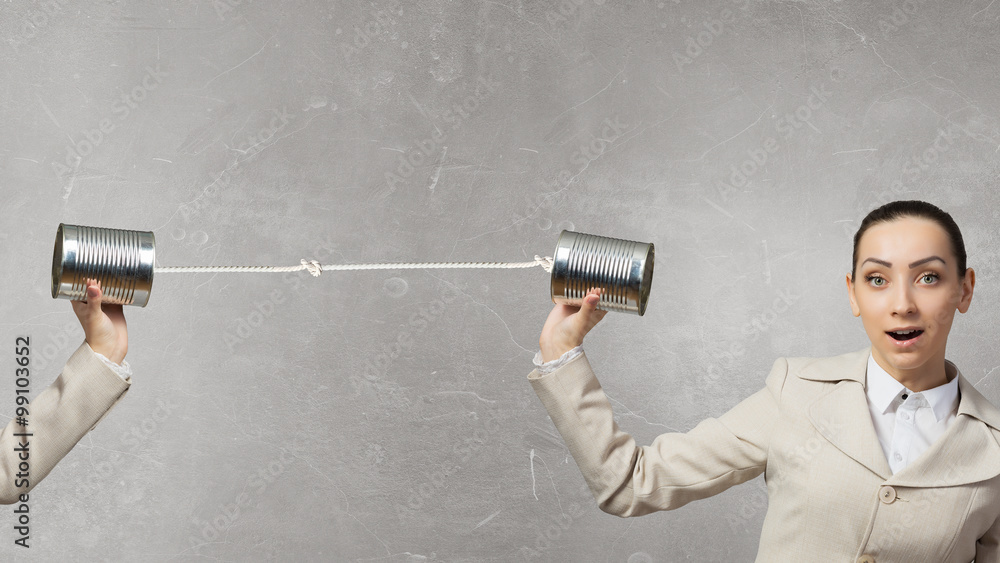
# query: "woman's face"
907,279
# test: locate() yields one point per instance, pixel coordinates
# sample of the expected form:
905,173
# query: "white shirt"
124,370
905,427
553,365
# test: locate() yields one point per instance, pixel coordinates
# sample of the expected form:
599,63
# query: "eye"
934,277
871,277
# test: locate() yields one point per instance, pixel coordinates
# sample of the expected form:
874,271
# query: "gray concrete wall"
746,140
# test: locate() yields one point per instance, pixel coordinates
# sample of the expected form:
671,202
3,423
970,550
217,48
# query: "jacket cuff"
562,390
97,386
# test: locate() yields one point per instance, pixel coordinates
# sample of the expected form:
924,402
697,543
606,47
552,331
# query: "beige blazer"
831,494
58,417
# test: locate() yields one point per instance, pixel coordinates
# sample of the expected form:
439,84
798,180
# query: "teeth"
904,331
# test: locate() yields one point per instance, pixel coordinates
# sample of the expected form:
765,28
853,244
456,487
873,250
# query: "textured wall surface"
385,415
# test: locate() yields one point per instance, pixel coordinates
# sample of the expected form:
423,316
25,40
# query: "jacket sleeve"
988,546
58,418
678,467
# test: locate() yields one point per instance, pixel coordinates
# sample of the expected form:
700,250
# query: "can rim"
646,281
57,260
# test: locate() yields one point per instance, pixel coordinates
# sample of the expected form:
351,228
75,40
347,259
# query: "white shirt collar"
883,389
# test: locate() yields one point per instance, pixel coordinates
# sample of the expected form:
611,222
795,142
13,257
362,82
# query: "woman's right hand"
567,325
103,324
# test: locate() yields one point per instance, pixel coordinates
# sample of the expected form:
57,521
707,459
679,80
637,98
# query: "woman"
883,454
95,378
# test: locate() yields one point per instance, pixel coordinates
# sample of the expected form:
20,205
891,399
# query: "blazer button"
886,494
866,559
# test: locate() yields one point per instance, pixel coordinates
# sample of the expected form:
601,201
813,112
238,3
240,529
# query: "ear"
850,294
968,284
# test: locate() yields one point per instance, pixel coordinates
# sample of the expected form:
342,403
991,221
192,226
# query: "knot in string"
313,266
545,263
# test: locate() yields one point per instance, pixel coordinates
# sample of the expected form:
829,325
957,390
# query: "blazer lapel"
967,452
842,415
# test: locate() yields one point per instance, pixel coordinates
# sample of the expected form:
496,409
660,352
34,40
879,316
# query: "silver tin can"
623,269
121,260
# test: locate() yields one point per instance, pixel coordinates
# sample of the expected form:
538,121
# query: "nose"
902,301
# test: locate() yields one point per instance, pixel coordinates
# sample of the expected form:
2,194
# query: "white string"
315,268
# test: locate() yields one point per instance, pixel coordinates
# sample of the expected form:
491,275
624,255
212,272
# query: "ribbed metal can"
121,260
623,269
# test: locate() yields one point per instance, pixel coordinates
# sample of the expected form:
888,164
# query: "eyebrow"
912,265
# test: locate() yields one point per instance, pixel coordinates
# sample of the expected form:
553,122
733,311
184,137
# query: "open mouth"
904,335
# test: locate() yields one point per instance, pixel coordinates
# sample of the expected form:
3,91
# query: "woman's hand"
567,325
104,325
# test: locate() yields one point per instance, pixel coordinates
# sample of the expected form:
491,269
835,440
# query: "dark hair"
896,210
